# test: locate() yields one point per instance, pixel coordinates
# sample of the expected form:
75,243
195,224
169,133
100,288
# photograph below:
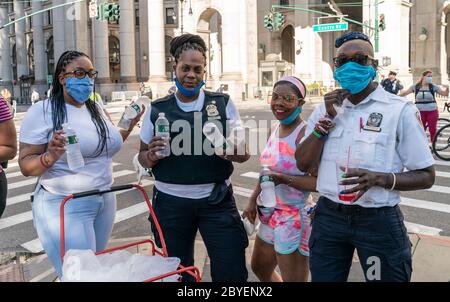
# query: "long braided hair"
58,104
180,44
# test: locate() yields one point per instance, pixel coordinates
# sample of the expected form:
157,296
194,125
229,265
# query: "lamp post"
182,15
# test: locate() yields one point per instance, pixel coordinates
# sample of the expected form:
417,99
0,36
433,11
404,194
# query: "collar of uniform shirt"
378,95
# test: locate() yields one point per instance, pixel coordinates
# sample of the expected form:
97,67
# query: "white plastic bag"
118,266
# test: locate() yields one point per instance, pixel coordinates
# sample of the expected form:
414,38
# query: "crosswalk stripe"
422,229
412,227
251,175
27,216
35,245
16,164
16,174
423,204
33,180
435,188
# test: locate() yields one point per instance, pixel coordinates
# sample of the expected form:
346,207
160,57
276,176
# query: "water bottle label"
265,178
136,107
72,139
163,128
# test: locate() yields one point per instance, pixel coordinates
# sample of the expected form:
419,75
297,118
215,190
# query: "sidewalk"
430,261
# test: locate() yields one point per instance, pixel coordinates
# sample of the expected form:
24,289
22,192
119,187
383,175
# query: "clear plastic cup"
342,166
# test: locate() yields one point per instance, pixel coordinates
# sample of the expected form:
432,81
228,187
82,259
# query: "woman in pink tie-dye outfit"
283,235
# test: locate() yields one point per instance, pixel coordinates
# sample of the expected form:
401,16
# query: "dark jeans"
378,235
220,226
3,192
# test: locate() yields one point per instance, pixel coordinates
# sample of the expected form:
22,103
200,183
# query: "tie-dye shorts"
287,229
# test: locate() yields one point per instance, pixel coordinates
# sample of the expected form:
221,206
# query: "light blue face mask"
80,89
429,80
290,119
354,77
188,92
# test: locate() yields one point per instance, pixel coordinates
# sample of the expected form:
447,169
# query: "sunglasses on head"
358,58
81,73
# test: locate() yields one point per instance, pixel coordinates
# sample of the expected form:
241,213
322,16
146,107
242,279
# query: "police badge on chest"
374,122
212,111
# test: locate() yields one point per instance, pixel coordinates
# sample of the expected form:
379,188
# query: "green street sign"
319,28
50,79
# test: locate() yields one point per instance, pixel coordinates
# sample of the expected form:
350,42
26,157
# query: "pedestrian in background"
8,147
383,146
34,97
283,235
89,220
425,95
391,84
193,191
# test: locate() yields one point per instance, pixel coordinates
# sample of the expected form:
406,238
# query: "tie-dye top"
279,154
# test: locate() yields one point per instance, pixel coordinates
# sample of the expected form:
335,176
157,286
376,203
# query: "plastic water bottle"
162,129
132,111
74,157
267,196
212,133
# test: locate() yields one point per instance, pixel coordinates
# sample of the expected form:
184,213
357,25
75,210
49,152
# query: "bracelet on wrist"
43,161
317,134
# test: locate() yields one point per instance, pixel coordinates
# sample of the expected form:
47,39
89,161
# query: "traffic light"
268,21
109,11
382,23
280,20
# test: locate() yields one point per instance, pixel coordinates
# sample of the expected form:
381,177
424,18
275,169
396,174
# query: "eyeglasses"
287,99
81,73
358,58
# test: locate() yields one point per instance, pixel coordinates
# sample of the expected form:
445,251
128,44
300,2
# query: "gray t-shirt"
425,95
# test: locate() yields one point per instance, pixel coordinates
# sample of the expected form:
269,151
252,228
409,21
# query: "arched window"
114,58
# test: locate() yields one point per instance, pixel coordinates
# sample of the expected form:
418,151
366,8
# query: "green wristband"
317,134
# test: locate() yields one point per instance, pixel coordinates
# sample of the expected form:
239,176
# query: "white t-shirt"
37,129
188,191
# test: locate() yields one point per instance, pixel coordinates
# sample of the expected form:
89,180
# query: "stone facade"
243,55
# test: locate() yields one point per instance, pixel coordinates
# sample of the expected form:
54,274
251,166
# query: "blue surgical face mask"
354,77
80,89
290,119
188,92
429,80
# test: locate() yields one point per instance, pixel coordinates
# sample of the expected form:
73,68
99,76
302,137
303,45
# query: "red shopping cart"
192,270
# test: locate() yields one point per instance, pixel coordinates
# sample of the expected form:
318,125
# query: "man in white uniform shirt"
382,133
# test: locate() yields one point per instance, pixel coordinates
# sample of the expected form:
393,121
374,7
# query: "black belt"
426,102
352,209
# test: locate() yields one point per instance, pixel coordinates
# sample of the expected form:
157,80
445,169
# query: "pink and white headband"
296,82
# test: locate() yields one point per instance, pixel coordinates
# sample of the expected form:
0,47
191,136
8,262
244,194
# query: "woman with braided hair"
89,221
192,189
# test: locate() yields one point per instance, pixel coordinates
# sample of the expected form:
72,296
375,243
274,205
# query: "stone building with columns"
243,55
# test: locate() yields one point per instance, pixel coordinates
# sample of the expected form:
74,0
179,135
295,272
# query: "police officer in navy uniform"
192,185
383,134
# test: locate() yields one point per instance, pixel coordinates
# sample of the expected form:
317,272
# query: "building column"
231,47
249,41
76,26
101,51
156,41
5,51
127,42
59,41
21,43
394,40
40,66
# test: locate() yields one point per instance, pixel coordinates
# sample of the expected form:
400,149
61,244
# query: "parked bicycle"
441,143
